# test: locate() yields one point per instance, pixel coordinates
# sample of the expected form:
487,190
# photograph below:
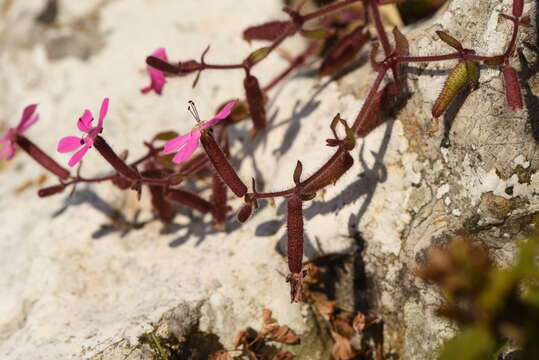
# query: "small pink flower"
157,79
72,143
28,119
186,144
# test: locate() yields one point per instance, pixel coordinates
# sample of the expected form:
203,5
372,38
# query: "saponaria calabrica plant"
164,168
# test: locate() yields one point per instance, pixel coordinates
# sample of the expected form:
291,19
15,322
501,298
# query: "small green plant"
497,309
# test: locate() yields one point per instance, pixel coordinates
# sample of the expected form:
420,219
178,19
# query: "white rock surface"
69,289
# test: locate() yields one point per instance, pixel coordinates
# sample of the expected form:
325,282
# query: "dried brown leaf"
343,323
241,338
284,355
282,334
266,316
221,355
325,307
342,349
359,322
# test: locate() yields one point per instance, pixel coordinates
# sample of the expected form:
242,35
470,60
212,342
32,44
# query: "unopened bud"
339,164
40,157
518,6
221,164
51,190
295,234
108,154
244,213
219,200
162,207
343,52
269,31
255,99
189,199
512,88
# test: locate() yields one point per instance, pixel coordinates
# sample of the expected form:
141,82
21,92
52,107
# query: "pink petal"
175,144
8,150
103,112
188,150
160,53
157,82
79,154
85,121
7,136
157,79
30,122
70,143
26,115
3,151
11,150
220,115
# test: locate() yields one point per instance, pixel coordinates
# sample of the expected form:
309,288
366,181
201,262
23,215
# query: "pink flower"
72,143
157,79
28,119
186,144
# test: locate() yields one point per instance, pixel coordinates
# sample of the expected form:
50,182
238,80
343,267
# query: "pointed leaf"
450,40
402,47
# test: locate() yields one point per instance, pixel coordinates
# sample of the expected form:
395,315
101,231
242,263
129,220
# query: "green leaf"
472,343
500,285
531,297
449,40
527,261
316,34
165,135
258,55
495,60
472,70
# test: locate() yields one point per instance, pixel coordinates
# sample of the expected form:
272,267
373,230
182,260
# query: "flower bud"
295,234
51,190
221,164
340,162
244,213
343,52
512,88
164,209
40,157
108,154
518,6
269,31
219,200
255,99
188,199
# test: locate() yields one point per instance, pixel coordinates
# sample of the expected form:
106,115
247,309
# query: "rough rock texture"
81,279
